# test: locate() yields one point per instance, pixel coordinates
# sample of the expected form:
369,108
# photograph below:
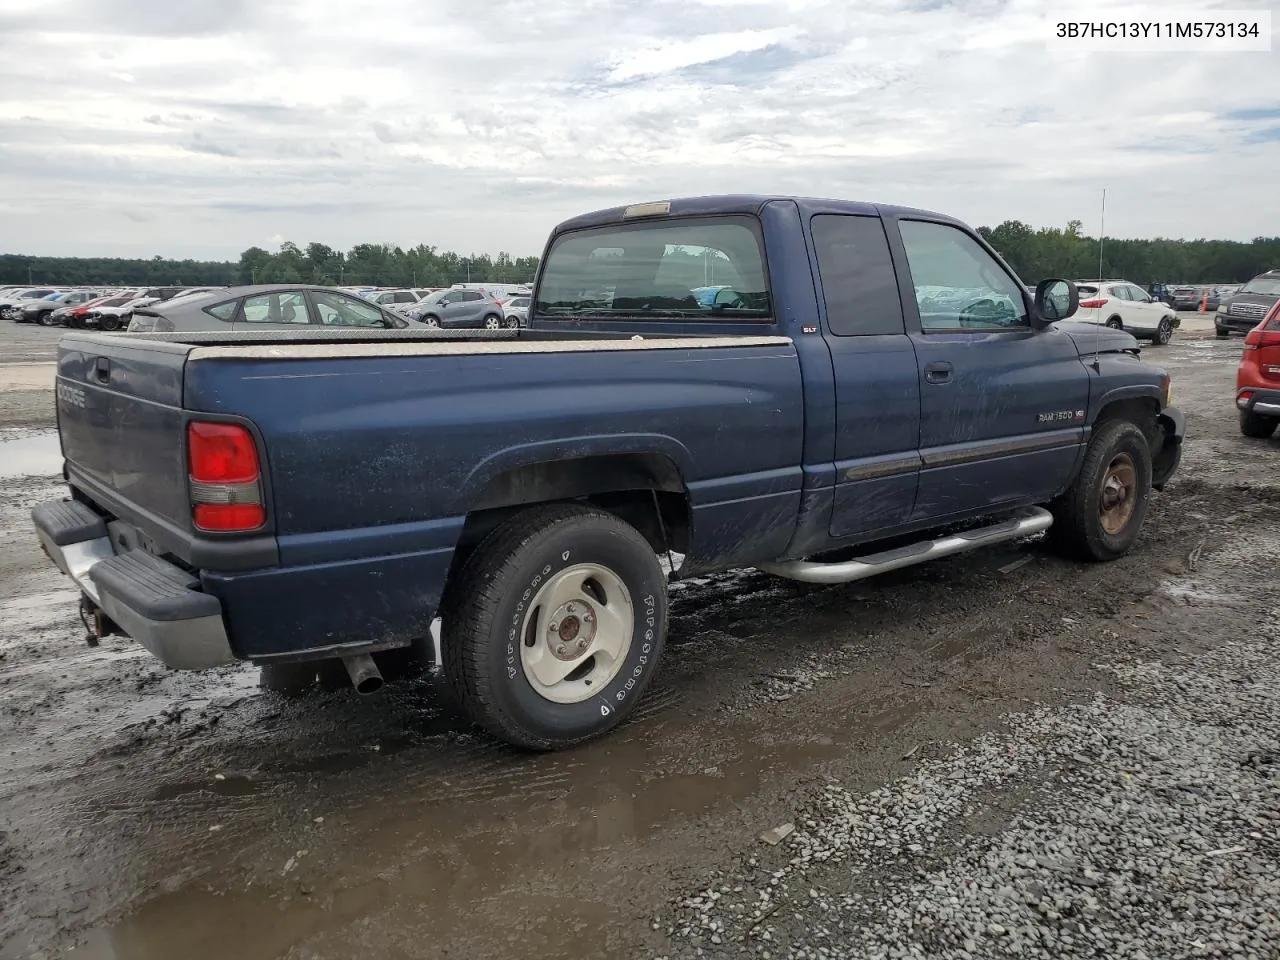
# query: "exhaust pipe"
364,673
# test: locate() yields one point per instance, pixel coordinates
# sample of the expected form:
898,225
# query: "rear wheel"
108,323
1164,332
1256,425
1115,324
554,627
493,322
1101,514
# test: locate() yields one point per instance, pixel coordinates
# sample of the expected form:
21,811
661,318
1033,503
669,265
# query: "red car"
1258,378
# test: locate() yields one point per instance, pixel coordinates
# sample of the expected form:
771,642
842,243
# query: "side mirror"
1056,300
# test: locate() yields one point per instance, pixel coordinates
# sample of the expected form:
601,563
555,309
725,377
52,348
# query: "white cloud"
196,129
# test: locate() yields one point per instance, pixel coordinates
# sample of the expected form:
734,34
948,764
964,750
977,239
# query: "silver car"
517,311
279,306
455,309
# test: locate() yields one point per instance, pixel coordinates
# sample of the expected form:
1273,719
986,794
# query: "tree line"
1033,253
1057,252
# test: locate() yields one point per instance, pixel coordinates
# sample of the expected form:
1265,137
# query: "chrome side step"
1024,524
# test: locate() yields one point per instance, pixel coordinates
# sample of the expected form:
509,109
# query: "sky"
197,128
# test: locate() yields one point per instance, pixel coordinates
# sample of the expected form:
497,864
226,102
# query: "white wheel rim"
576,634
491,324
431,323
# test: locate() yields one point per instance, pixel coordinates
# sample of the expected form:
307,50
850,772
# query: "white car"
517,311
396,300
1126,306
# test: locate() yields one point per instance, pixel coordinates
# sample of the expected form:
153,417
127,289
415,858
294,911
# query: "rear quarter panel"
374,461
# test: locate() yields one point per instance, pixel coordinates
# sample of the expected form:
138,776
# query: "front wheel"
1101,514
432,322
1222,334
1256,425
512,323
554,627
45,319
1164,332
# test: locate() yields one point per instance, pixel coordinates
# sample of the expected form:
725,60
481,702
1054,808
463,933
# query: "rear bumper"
1263,401
153,601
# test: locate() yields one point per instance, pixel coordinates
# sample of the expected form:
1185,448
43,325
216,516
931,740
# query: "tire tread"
473,598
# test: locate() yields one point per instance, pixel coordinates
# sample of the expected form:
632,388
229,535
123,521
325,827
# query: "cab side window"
859,285
958,285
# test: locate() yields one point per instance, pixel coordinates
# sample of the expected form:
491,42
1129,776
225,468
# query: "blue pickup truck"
852,389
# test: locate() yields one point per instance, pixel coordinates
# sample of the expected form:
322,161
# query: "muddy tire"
1257,426
288,679
553,629
1101,514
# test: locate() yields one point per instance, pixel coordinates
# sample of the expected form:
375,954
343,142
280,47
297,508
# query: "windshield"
694,268
1267,287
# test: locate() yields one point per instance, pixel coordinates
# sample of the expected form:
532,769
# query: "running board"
1027,522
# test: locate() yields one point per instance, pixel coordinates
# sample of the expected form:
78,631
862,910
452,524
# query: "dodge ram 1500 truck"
745,381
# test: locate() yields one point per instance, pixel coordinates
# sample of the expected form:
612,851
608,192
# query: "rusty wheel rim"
1119,494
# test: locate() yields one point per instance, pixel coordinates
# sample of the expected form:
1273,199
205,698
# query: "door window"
1135,294
472,296
289,307
859,285
958,285
1121,292
338,310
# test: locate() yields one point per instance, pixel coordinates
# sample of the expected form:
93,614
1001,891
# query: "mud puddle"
30,455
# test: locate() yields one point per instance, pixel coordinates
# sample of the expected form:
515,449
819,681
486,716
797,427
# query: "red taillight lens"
225,478
228,516
1093,304
1257,338
221,453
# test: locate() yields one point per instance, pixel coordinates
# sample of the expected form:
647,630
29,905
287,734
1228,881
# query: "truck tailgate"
121,420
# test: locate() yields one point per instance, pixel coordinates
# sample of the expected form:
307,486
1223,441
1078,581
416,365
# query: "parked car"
119,317
1241,312
1122,305
1258,378
41,311
393,299
516,311
284,501
1185,297
11,306
263,306
73,315
457,308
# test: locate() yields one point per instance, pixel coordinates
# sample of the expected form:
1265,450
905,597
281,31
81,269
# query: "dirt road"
148,814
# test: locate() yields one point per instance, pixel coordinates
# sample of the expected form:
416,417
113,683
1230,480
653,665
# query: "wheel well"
1141,411
645,490
1117,319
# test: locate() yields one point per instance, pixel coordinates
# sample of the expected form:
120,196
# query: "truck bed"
377,446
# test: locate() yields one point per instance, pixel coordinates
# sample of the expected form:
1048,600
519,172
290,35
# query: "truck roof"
729,204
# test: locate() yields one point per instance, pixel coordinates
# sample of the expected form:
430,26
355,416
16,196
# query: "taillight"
1263,335
1093,304
224,477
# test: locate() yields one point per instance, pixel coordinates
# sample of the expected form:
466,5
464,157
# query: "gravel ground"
1142,822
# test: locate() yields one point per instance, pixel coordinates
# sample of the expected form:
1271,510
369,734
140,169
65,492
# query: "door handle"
102,369
938,372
